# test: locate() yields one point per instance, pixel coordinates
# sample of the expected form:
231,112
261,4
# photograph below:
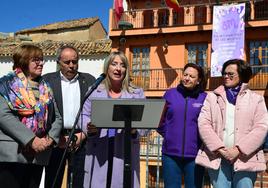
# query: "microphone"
71,135
98,81
94,86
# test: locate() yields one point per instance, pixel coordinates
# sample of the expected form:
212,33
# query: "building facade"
87,35
85,29
92,55
159,41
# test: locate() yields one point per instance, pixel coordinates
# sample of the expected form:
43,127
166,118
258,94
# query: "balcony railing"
151,151
162,79
163,17
198,15
150,145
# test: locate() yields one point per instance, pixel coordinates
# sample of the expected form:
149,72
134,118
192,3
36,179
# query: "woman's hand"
80,137
133,131
74,144
39,144
63,142
232,154
50,141
91,129
222,152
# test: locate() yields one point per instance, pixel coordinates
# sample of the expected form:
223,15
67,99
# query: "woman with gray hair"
104,161
30,123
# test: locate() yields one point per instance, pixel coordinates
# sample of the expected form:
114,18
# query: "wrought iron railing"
161,17
151,151
199,15
162,79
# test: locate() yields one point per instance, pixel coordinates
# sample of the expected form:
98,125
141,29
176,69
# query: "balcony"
186,16
151,151
162,79
150,145
163,17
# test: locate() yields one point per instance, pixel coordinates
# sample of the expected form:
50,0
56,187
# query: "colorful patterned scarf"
32,112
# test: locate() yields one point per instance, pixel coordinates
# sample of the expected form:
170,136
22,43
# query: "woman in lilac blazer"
104,163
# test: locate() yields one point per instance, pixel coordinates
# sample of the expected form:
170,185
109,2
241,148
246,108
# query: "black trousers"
18,175
76,168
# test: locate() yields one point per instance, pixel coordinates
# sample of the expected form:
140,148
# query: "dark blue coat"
265,145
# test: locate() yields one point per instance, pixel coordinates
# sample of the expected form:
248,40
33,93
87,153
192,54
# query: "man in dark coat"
69,88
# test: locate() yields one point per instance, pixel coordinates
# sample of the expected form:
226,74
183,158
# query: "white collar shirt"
70,100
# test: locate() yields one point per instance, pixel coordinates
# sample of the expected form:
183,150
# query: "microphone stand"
71,137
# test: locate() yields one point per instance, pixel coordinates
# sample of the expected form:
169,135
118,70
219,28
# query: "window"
140,73
261,9
148,19
140,64
163,16
258,55
178,17
197,53
200,14
248,11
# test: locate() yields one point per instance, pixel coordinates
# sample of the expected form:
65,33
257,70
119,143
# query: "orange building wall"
175,56
177,38
172,57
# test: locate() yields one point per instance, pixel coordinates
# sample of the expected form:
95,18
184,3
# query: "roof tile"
50,47
62,25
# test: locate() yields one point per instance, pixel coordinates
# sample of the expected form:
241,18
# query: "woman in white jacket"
233,125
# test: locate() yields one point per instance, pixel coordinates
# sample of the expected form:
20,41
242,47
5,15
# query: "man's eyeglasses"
229,74
69,61
38,61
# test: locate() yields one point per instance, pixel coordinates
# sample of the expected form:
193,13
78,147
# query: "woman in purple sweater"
179,129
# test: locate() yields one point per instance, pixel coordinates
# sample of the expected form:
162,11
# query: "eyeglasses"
38,61
229,74
69,61
118,64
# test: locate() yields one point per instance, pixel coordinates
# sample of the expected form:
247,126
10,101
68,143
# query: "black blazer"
54,80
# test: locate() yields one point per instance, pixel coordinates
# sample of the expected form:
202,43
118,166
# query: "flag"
119,9
173,4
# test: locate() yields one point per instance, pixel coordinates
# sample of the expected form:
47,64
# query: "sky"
17,15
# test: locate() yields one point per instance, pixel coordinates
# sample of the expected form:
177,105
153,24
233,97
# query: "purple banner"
228,35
